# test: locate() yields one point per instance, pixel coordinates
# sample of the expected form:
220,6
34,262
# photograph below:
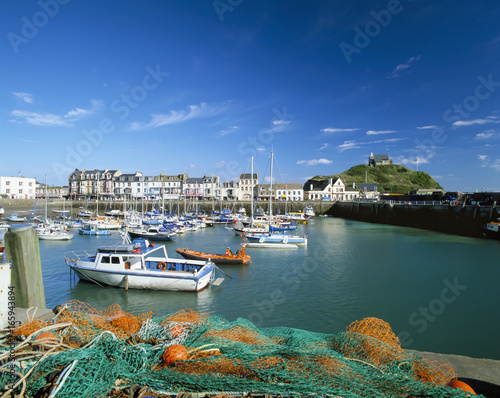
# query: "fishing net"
88,323
195,352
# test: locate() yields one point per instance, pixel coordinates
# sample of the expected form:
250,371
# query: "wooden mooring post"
23,250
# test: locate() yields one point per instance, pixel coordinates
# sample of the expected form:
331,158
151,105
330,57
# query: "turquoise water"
438,292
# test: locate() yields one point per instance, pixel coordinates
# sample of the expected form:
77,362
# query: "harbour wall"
465,220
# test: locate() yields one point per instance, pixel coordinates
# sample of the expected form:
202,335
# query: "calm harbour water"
438,292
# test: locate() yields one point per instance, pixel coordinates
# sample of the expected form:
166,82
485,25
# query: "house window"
7,182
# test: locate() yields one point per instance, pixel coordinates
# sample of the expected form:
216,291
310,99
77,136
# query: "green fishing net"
234,358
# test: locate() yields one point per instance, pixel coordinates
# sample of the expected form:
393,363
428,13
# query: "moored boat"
309,211
275,237
276,245
492,229
153,233
15,218
93,230
138,264
240,257
53,233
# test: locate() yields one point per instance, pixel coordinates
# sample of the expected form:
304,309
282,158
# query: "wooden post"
21,244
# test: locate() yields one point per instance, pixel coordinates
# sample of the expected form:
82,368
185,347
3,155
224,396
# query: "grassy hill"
390,178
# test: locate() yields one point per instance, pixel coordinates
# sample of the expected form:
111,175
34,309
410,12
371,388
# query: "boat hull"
301,241
215,258
153,237
152,280
273,245
56,237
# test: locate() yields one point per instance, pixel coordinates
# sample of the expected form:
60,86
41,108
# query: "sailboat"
52,231
252,228
274,239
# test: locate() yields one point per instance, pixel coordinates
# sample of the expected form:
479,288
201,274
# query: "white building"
227,191
245,184
18,187
329,190
292,191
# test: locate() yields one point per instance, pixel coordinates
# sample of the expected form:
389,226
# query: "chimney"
311,187
330,181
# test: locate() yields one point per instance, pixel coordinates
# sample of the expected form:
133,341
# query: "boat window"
105,260
115,260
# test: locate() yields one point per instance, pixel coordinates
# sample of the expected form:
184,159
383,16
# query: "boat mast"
271,192
251,194
162,196
97,196
45,197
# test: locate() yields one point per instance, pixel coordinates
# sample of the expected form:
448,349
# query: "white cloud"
26,97
485,162
386,140
49,119
76,113
413,160
378,132
496,165
484,136
222,163
281,122
325,145
401,67
39,119
472,122
427,127
228,130
336,130
314,162
177,116
348,145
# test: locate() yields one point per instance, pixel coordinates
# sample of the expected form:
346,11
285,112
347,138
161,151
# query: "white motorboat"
138,264
15,218
53,233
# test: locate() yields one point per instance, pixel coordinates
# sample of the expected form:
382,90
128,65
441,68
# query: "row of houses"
113,184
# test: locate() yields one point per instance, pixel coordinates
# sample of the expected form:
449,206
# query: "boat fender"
162,266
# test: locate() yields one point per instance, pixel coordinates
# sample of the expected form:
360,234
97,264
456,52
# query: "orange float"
460,384
46,336
174,353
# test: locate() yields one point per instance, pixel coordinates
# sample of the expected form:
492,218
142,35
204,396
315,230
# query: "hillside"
390,178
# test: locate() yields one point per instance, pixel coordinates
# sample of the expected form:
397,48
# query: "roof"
368,186
317,185
380,158
248,176
290,185
195,180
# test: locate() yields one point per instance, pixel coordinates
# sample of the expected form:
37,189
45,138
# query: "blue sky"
201,86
